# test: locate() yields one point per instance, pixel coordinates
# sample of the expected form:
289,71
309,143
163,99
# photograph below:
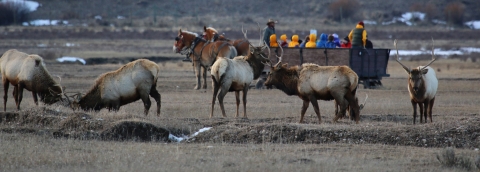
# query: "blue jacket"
330,45
323,41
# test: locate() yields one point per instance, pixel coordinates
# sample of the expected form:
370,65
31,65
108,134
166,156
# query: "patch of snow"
120,17
439,21
98,17
69,44
31,5
181,138
473,24
42,45
44,22
71,59
412,15
438,51
370,22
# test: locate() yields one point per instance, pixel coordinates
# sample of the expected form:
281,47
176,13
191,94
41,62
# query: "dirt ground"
385,123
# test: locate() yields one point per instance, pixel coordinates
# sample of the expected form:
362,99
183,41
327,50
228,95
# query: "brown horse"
203,54
241,45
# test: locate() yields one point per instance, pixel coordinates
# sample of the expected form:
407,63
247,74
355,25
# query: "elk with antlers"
25,71
422,86
236,75
312,82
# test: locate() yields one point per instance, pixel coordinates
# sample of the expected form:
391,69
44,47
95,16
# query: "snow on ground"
181,138
31,5
473,24
438,51
71,59
44,22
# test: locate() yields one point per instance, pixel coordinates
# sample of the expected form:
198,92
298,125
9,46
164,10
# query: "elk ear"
424,71
284,65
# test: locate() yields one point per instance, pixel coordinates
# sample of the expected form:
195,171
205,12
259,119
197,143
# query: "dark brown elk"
236,75
25,71
133,81
202,54
241,45
312,82
422,86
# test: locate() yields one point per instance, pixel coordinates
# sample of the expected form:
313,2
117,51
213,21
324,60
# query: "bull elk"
133,81
422,86
312,82
236,75
25,71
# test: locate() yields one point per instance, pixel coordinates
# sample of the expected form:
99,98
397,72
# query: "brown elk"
312,82
203,54
133,81
422,86
25,71
241,45
236,75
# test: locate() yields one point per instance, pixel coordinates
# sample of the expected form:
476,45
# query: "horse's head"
210,33
183,41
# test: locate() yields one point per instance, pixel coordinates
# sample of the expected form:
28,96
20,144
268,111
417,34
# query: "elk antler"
364,102
261,36
245,35
404,67
279,57
433,56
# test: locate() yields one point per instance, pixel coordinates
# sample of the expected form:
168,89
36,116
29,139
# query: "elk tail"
219,68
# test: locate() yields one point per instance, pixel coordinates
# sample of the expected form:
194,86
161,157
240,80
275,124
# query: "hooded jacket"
323,41
273,41
311,43
358,36
267,32
294,42
283,39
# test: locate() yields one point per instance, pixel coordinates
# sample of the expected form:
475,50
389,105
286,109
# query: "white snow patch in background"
438,51
71,59
181,138
44,22
69,44
98,17
473,24
31,5
370,22
120,17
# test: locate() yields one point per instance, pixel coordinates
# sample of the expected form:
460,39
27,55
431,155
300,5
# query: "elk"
422,86
133,81
312,82
241,45
203,54
236,75
25,71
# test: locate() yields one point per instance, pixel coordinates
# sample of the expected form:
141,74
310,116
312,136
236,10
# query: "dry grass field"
55,138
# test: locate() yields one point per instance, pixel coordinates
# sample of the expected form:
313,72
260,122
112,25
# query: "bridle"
188,50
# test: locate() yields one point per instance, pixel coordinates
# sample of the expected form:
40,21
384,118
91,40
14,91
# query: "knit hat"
271,21
361,23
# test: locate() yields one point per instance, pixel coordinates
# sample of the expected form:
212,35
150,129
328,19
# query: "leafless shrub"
342,9
429,9
454,13
13,13
448,159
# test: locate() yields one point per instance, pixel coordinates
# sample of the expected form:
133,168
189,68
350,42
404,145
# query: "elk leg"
424,110
158,98
35,98
430,106
339,98
20,95
414,104
237,99
352,107
5,95
146,102
204,78
197,73
221,95
314,102
336,107
245,90
306,103
216,87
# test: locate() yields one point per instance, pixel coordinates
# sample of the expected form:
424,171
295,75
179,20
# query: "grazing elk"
203,54
236,75
25,71
133,81
422,86
312,82
241,45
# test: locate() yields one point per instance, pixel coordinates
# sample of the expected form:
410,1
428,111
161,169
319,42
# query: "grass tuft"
448,159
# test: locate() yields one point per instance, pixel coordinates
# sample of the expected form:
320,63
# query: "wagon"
369,64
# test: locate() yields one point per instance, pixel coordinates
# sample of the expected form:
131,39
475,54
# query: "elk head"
54,93
258,51
415,76
277,73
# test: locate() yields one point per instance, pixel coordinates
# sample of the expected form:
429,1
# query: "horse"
203,54
241,45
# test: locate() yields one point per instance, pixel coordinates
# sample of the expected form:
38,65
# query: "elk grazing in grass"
241,45
422,86
25,71
236,75
312,82
203,54
133,81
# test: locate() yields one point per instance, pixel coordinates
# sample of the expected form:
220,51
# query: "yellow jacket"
311,43
294,42
273,41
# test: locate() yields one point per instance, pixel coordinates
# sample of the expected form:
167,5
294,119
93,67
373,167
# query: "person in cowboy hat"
269,30
358,36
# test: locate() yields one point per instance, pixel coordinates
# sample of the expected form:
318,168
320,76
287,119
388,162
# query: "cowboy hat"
271,21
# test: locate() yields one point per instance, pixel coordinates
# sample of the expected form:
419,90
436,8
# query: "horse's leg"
196,65
205,77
